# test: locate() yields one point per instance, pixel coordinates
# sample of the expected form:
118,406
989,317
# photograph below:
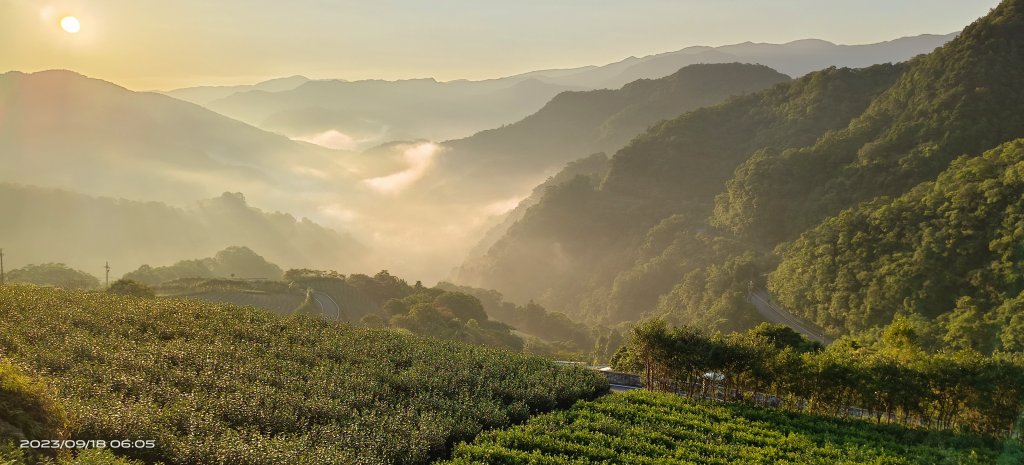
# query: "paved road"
776,314
327,304
620,388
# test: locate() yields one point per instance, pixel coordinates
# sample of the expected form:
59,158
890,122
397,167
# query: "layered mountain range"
857,196
102,142
356,115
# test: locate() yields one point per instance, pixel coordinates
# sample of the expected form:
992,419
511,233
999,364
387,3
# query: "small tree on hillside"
131,288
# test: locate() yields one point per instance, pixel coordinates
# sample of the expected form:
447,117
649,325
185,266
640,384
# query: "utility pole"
2,281
107,267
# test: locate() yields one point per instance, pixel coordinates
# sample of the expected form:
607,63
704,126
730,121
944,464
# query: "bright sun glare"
70,24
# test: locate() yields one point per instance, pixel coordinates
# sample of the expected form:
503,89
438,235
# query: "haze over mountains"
362,114
577,124
66,130
94,138
99,139
47,225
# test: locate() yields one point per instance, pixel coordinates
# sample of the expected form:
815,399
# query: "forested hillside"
232,262
948,250
964,98
690,212
594,167
668,175
576,124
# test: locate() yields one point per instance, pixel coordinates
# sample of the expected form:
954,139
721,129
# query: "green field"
643,427
221,384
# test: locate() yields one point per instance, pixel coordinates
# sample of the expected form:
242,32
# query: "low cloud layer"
418,157
332,139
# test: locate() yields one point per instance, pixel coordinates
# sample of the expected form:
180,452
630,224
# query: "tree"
782,336
53,274
243,262
131,288
966,327
648,343
462,306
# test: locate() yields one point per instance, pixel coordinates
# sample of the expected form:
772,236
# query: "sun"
70,24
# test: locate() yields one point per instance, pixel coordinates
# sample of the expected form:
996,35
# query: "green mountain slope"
577,124
689,158
568,249
963,98
594,167
686,219
949,247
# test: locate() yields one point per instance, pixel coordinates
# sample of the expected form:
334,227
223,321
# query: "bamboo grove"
888,381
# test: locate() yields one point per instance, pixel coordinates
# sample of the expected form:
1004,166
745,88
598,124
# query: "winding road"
327,305
776,314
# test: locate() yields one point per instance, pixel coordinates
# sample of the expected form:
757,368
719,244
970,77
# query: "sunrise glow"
70,24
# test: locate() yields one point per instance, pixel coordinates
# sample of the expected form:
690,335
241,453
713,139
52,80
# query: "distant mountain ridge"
795,58
202,95
375,111
370,112
577,124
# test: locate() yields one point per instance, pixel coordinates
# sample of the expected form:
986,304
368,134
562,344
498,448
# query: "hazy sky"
145,44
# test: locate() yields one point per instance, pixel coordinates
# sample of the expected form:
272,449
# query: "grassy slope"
219,384
649,428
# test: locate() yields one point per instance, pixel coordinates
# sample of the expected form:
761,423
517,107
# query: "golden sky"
163,44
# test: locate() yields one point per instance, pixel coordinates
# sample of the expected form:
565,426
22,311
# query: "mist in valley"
536,184
414,176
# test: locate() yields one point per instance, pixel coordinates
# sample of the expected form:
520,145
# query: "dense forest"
577,124
656,196
948,251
